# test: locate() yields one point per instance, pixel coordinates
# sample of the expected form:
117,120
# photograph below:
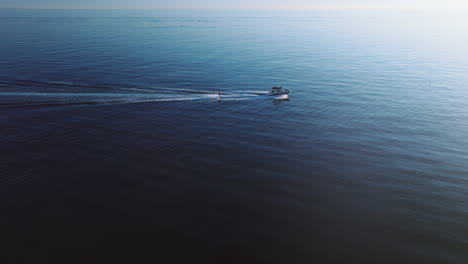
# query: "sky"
279,4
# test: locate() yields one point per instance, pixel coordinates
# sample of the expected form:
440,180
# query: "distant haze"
281,4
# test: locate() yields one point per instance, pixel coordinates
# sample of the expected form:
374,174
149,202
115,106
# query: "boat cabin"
276,89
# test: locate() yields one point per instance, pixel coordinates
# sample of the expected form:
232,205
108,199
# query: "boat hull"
278,93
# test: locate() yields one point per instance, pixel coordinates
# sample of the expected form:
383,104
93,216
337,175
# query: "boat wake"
36,94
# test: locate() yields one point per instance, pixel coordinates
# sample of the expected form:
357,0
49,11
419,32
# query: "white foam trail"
67,93
15,99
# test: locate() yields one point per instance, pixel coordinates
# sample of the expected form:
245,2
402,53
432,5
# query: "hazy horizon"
241,4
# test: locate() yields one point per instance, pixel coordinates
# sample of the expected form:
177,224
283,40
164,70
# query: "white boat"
278,90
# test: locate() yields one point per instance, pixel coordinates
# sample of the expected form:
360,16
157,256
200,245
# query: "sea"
115,146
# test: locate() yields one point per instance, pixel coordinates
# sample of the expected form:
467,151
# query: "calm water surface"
114,145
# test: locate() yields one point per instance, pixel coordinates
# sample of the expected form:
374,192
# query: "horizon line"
243,8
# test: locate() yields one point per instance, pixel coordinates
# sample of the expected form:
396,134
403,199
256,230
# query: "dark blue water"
115,146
